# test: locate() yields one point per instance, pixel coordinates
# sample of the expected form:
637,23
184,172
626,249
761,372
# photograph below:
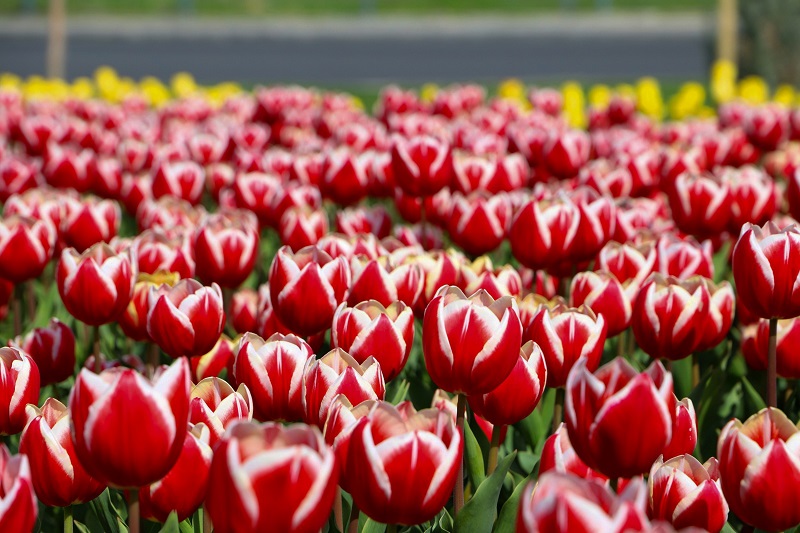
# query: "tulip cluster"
278,306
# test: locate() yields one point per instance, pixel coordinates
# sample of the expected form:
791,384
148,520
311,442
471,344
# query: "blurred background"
359,45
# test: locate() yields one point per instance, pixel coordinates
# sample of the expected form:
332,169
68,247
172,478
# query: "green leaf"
371,526
752,398
171,525
478,515
81,528
682,376
727,528
507,520
527,460
474,456
445,523
400,392
105,512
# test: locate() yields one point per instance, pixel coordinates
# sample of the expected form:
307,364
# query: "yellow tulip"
599,96
512,89
785,95
428,92
183,84
754,90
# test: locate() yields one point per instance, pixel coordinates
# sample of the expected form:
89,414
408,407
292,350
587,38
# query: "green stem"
352,525
494,449
772,367
68,521
98,363
133,511
695,371
558,409
337,510
458,493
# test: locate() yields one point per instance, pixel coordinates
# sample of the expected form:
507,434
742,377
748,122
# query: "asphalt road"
328,57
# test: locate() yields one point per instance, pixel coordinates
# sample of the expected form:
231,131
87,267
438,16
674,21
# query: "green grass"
348,7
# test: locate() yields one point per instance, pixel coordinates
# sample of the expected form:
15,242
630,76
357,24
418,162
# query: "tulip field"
276,310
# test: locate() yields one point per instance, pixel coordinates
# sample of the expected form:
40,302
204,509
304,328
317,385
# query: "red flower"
559,455
766,267
180,179
58,477
567,335
18,509
338,373
478,222
472,344
600,406
26,246
272,479
52,348
97,285
422,165
542,232
759,470
606,296
516,397
165,250
302,226
215,404
344,176
244,310
127,431
402,465
370,329
273,371
339,426
186,319
184,487
700,204
687,494
669,316
306,288
90,221
226,248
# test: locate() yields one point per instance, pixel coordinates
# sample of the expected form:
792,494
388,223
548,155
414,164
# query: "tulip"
628,261
344,177
377,279
168,213
470,344
402,465
563,502
687,494
244,310
375,220
721,308
519,394
559,455
754,197
478,222
158,250
306,288
567,335
52,348
684,430
97,285
422,165
683,258
26,246
342,418
542,233
271,479
214,363
606,296
215,404
133,320
596,226
503,281
302,226
90,221
180,179
755,346
225,248
58,477
370,329
669,316
17,175
19,386
565,152
18,509
186,319
273,371
66,167
183,489
758,469
256,191
700,204
129,432
338,373
598,406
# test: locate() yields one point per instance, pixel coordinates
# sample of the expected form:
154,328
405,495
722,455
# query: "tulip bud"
133,320
565,152
127,431
338,373
542,233
180,179
214,403
97,285
628,261
470,344
605,296
52,348
402,465
721,308
562,502
684,430
256,192
516,397
186,319
700,204
302,226
214,363
26,246
559,455
90,221
225,248
342,418
370,329
669,316
344,176
687,494
158,250
272,479
244,310
683,258
567,335
19,386
58,477
422,165
18,509
273,371
758,470
766,264
183,488
306,288
478,222
599,405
